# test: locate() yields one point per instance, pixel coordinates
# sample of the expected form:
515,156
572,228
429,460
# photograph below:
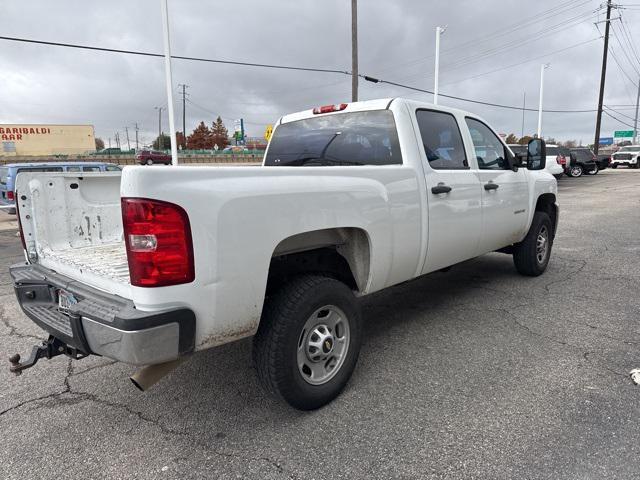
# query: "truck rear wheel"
307,345
531,256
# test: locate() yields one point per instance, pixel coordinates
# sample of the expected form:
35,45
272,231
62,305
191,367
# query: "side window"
442,140
112,168
90,169
73,169
490,151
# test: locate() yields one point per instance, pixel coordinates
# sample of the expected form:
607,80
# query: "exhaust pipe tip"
148,376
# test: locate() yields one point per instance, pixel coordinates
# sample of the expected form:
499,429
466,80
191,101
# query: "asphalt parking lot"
473,373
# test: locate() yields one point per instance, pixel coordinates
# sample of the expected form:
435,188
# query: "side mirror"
536,154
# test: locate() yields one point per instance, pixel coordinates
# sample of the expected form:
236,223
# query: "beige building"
25,139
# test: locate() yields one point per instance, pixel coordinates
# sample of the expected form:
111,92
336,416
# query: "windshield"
4,173
358,138
631,148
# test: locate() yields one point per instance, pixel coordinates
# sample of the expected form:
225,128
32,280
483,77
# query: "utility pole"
117,140
603,75
543,67
126,130
169,81
159,127
524,106
354,50
184,109
136,136
439,31
635,123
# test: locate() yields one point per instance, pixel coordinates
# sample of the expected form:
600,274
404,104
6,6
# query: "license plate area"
65,301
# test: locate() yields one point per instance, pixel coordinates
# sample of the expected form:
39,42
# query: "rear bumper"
101,323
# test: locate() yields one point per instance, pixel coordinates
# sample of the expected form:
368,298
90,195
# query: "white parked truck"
156,263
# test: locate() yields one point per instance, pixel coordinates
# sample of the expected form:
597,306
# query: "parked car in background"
9,171
587,160
555,160
235,149
149,157
629,156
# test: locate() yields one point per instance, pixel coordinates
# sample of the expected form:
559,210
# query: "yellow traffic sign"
268,132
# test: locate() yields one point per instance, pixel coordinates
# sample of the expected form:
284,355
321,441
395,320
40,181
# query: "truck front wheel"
307,345
531,256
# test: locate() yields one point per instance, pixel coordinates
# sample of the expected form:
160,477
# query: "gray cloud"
57,85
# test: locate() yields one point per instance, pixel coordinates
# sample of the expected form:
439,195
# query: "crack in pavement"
70,397
13,331
568,276
598,364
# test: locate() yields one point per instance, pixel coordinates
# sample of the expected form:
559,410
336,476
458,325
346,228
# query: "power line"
505,30
617,119
619,113
282,67
524,62
479,102
177,57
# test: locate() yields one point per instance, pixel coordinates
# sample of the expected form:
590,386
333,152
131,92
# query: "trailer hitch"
52,347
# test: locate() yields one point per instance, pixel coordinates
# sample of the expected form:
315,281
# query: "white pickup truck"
156,263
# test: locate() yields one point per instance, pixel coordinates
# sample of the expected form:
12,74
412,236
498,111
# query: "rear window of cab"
342,139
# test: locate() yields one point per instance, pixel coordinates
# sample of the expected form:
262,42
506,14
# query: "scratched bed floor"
474,373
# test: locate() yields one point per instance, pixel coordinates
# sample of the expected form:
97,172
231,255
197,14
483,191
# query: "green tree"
511,138
219,134
200,139
163,142
99,144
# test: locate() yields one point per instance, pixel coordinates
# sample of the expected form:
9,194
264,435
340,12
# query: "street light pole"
159,127
524,106
635,123
543,67
439,31
169,81
354,50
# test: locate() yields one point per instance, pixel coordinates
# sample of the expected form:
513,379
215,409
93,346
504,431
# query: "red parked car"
149,157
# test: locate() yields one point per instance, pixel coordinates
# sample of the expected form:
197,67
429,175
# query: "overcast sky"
46,84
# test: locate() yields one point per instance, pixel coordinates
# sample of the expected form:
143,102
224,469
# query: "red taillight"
158,239
330,108
559,160
10,195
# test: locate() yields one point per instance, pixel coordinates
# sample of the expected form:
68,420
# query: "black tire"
614,166
525,254
149,161
276,344
595,170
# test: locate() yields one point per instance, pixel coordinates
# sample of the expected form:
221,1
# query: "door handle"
440,188
491,186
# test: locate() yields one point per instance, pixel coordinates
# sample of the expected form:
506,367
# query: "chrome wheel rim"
323,345
542,245
576,171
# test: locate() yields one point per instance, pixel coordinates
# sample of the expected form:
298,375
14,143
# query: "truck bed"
102,260
73,225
